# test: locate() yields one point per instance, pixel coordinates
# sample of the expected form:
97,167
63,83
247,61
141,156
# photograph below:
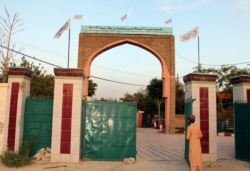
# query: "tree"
179,98
139,97
92,88
128,98
155,91
150,107
8,27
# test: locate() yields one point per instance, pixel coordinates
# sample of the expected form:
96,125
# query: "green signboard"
127,30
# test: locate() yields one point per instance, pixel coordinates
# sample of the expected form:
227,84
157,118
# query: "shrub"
22,158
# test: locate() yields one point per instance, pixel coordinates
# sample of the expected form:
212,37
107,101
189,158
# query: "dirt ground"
226,165
221,165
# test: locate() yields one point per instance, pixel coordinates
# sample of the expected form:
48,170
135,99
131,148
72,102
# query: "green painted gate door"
38,123
108,130
242,131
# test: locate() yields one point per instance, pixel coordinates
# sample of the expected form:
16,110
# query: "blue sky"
224,27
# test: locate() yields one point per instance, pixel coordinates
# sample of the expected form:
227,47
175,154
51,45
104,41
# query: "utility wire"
141,75
118,81
31,57
61,67
110,69
209,64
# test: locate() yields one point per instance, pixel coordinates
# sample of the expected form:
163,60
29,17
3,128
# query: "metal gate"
108,130
38,123
188,111
242,131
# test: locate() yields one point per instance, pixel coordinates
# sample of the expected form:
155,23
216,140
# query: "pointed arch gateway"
93,40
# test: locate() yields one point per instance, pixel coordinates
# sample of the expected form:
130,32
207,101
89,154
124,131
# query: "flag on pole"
66,26
168,21
77,17
124,17
192,34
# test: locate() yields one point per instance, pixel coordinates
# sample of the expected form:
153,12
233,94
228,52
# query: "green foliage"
92,88
150,106
128,98
139,97
145,99
14,159
24,150
179,98
148,100
224,74
155,91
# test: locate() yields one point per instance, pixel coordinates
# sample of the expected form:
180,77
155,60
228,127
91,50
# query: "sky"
224,34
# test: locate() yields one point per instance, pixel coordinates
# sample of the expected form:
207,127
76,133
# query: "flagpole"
68,48
172,26
199,65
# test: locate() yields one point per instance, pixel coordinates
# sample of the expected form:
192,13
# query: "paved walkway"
170,147
155,152
153,146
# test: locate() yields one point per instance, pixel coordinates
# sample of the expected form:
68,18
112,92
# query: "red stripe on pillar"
204,118
12,116
66,118
248,95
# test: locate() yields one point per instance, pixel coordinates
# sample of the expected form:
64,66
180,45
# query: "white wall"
3,101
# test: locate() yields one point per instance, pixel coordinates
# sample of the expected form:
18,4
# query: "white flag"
66,26
190,34
78,17
124,17
168,21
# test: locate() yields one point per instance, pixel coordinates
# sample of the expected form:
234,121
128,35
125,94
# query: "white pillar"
18,90
241,88
3,102
202,89
67,112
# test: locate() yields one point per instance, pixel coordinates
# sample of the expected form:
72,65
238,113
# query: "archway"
124,71
93,40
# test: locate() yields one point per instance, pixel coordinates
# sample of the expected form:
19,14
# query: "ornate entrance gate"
93,40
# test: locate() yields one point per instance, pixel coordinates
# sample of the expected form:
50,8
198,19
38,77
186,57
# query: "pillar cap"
204,77
240,79
69,72
22,71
